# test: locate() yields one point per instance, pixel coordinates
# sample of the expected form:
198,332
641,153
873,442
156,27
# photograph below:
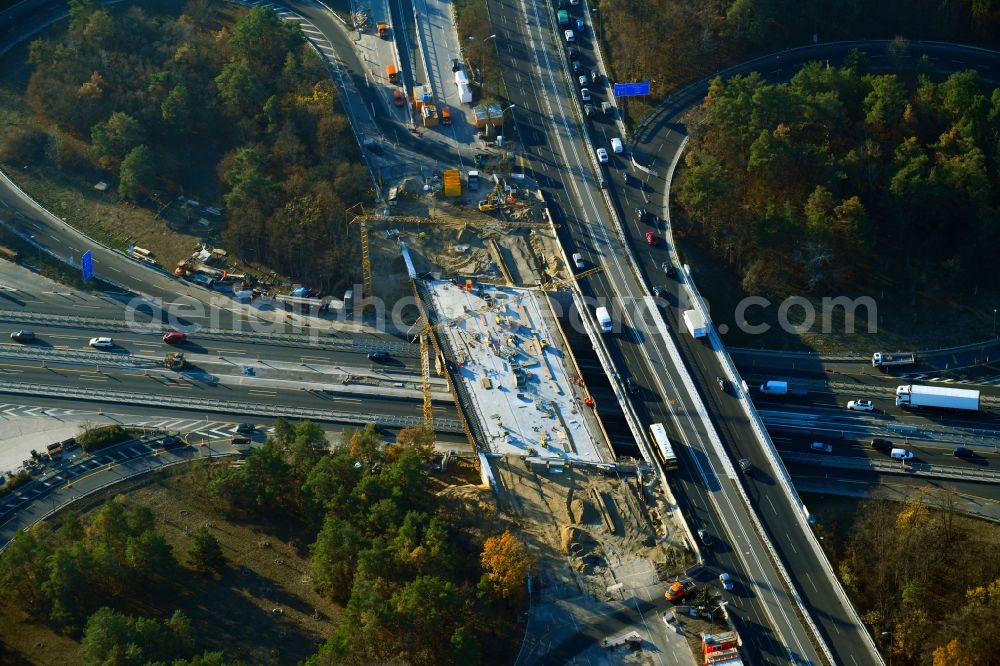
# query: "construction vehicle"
382,28
452,180
392,73
486,205
679,589
174,361
445,115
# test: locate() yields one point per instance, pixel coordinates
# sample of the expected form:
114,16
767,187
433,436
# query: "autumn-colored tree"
955,653
420,439
506,563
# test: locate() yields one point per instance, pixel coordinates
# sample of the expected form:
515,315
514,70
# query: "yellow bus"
663,448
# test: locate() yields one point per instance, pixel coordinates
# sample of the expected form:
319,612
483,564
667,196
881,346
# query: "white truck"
882,360
696,324
603,318
778,387
913,396
464,91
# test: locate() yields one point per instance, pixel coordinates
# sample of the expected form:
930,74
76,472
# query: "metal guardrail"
770,452
225,406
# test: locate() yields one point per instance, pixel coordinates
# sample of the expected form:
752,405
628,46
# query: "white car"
602,155
821,447
101,343
578,260
861,405
585,94
616,145
727,582
570,37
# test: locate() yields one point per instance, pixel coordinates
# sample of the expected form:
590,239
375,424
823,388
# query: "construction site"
483,265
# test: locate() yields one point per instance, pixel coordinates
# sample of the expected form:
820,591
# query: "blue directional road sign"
87,265
632,89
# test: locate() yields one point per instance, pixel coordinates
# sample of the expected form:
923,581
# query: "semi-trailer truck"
696,324
883,360
603,318
913,396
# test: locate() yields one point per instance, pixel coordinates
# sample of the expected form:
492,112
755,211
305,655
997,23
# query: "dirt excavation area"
605,543
510,245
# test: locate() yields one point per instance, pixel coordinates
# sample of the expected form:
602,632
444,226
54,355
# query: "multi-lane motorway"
554,139
549,128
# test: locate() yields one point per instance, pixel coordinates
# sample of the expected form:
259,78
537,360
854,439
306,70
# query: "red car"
174,338
652,238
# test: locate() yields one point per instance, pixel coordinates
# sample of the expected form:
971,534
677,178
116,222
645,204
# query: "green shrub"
93,439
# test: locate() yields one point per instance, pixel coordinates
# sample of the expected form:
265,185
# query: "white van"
616,145
900,454
570,37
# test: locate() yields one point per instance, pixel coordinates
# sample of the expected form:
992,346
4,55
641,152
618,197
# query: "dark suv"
882,445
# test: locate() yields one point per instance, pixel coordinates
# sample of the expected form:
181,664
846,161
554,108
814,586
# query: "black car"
630,386
577,67
880,444
745,465
573,53
723,383
373,147
626,177
705,537
378,356
246,428
962,452
22,336
660,292
670,270
644,216
170,441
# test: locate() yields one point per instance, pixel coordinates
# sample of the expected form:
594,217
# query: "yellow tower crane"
363,218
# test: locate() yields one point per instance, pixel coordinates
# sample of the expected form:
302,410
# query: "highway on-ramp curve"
659,143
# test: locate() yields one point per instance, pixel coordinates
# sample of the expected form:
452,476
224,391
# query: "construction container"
452,181
491,114
429,114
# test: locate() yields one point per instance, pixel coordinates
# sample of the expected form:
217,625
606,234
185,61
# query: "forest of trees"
165,99
803,186
930,579
416,587
673,43
65,577
419,583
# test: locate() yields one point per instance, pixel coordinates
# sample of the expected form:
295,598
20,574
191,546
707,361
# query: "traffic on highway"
719,441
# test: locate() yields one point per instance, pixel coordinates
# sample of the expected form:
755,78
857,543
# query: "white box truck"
696,324
603,318
913,396
464,91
